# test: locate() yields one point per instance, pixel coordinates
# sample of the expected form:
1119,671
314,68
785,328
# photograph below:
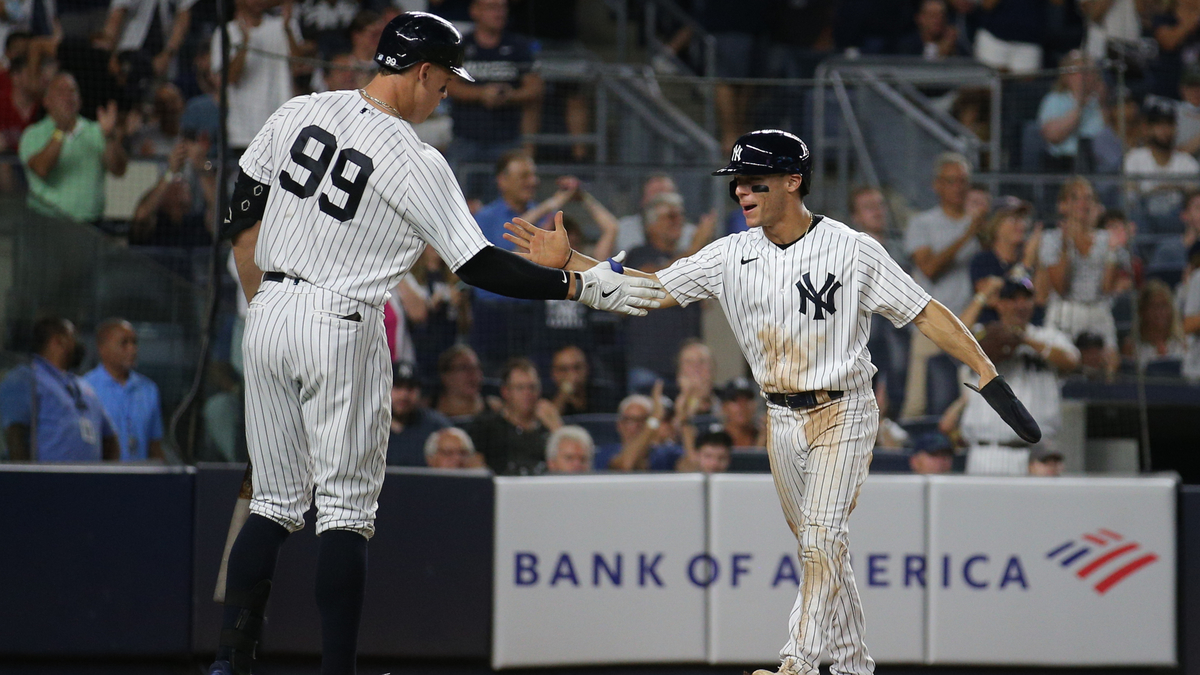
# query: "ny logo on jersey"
822,300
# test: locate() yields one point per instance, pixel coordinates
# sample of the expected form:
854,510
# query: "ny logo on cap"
737,153
822,300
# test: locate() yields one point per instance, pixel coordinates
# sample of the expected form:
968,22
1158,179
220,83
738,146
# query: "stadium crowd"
529,387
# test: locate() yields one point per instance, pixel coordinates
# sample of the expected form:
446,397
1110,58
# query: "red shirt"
12,122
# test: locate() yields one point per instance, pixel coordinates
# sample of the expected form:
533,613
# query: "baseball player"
336,200
799,290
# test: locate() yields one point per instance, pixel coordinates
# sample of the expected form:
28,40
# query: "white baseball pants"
819,459
317,406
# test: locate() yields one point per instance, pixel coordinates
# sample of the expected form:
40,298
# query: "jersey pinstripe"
801,314
355,197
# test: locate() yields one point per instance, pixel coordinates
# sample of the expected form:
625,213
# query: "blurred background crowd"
1036,172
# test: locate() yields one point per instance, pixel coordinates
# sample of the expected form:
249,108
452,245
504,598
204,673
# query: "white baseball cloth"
266,81
1036,384
354,198
802,316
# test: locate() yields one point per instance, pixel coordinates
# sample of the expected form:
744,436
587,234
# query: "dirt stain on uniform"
783,359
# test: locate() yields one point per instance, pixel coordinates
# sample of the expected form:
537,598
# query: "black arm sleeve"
246,206
505,273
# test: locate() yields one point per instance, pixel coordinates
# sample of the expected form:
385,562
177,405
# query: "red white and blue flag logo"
1104,557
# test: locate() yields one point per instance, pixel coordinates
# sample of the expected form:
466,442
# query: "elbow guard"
246,206
505,273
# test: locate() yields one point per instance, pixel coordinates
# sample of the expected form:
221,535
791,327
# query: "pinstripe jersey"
355,197
801,314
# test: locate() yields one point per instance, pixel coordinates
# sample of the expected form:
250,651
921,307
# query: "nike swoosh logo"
744,261
605,295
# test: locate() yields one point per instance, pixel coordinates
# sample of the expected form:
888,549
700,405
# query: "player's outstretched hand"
550,248
605,287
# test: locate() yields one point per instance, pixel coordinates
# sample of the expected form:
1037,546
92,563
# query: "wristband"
569,256
981,298
58,135
169,176
578,286
653,423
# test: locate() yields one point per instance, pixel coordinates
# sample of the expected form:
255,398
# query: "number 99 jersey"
354,197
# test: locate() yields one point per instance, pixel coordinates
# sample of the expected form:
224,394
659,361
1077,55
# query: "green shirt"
74,188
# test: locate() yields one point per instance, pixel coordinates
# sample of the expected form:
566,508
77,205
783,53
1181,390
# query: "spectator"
1007,253
972,108
1081,268
1045,462
1071,112
1170,255
1109,22
872,26
66,155
179,209
932,454
709,452
144,36
694,379
1191,314
365,31
1010,34
48,413
941,242
1160,200
887,344
1174,28
451,448
869,214
201,117
130,398
342,73
934,39
633,227
224,435
491,115
447,310
645,433
652,342
1093,358
1160,331
503,326
739,409
570,189
1030,358
412,422
574,392
570,450
513,438
735,27
461,383
261,81
890,435
157,138
21,92
1187,111
326,24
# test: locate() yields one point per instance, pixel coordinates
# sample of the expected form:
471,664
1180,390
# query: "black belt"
280,277
804,399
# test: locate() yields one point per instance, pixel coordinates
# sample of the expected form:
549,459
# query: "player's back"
354,195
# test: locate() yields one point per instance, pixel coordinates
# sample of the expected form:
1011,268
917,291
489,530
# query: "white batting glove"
606,287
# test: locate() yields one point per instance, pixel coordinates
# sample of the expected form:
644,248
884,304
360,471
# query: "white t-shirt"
1191,307
266,81
1141,161
1035,383
139,17
934,230
1119,23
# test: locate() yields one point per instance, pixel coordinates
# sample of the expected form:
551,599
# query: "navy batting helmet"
413,37
766,152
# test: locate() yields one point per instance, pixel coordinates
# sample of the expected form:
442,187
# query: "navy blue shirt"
69,424
507,63
662,457
1016,20
983,265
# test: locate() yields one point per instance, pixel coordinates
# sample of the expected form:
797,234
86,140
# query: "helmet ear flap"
733,191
